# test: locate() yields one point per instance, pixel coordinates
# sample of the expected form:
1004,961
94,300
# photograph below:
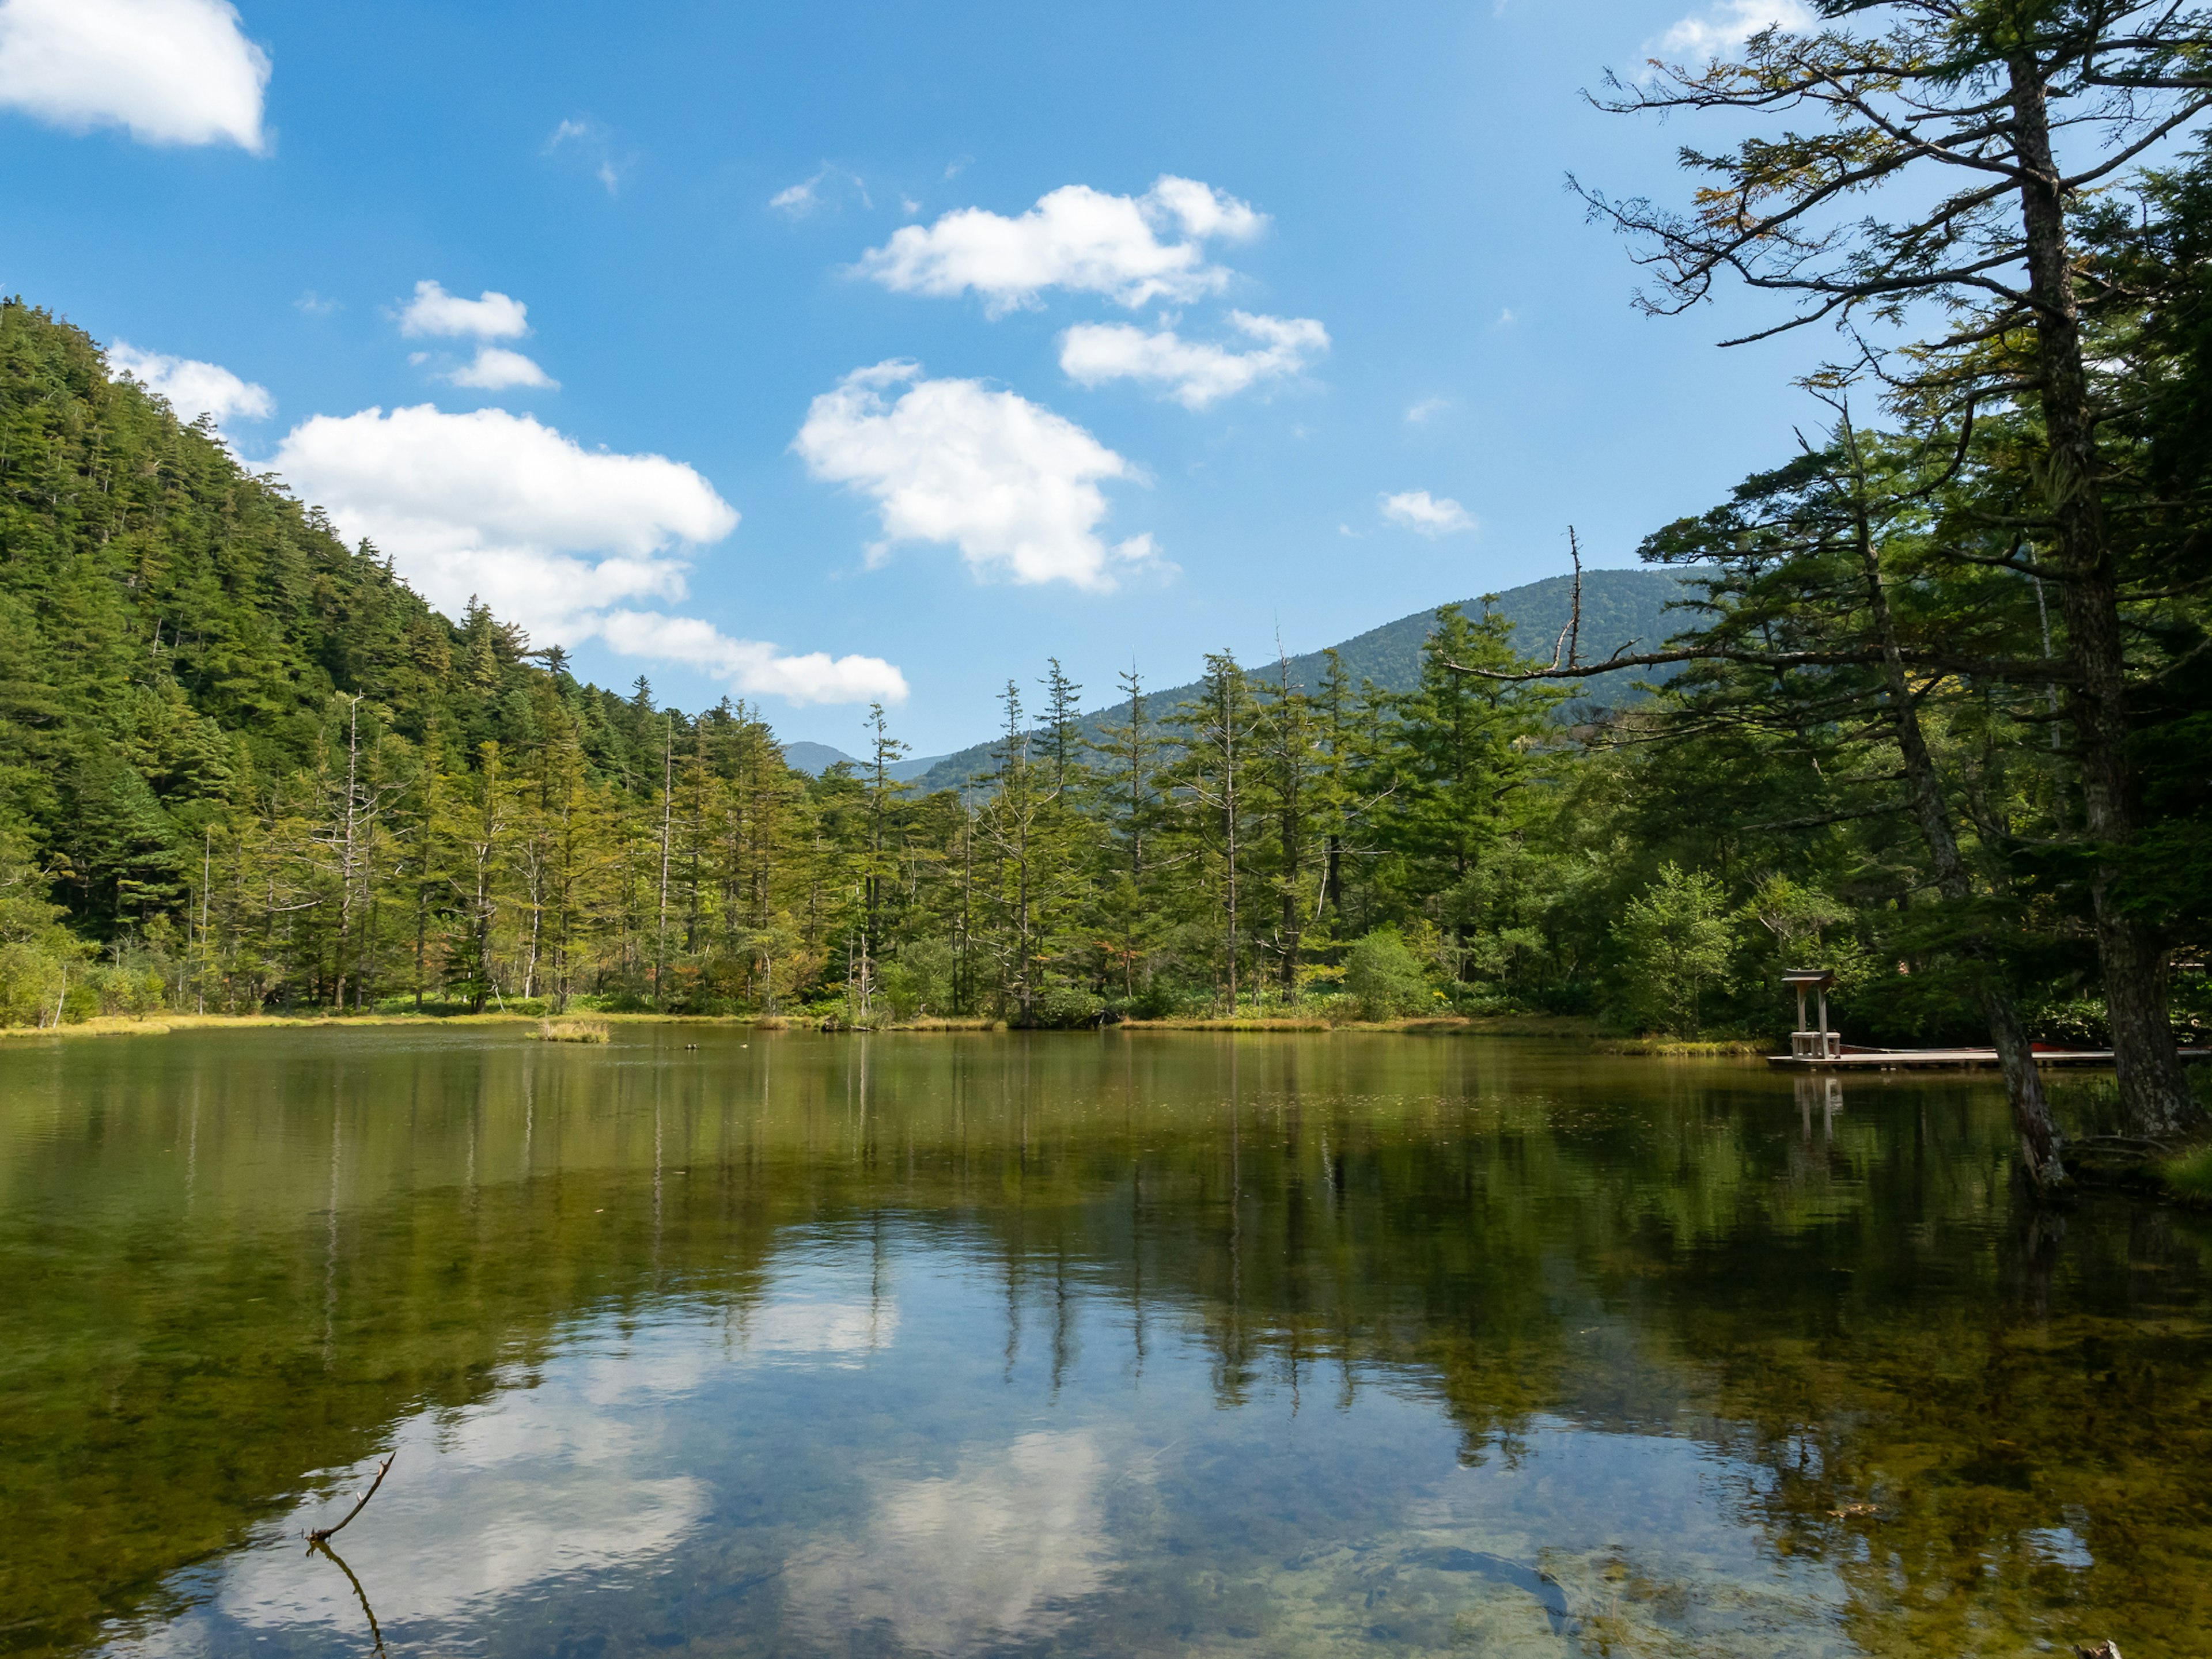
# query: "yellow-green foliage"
40,958
2189,1175
575,1031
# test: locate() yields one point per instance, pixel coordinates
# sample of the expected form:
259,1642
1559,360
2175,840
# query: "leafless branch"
323,1534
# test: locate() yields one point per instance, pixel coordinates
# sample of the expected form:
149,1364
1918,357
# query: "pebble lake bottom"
1156,1343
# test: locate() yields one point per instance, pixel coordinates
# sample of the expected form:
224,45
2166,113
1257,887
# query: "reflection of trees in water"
1971,1419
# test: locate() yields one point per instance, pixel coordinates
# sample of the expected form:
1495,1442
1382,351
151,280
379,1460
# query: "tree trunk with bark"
2155,1095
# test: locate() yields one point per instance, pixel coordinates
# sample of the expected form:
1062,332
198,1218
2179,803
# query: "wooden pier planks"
1906,1060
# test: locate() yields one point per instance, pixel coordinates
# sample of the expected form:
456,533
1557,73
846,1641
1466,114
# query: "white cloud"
1726,26
168,71
193,388
1075,237
489,317
1427,410
1010,483
1432,515
561,539
798,200
1204,212
595,144
495,369
754,668
802,198
1198,373
493,504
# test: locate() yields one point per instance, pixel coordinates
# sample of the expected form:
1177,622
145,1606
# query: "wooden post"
1810,1041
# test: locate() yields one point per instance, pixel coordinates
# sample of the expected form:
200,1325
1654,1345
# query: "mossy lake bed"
719,1339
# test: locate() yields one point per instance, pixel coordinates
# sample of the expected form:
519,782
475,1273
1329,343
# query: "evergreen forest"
1936,714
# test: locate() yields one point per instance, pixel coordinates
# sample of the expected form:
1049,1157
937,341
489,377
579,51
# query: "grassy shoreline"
1566,1028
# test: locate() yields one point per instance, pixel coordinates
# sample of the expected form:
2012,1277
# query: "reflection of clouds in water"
846,1329
552,1480
534,1486
951,1562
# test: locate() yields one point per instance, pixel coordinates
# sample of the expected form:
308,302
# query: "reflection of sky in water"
1004,1547
890,1453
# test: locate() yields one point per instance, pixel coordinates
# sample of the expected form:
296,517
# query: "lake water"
1071,1344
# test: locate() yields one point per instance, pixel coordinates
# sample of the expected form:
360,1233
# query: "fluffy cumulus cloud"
166,71
495,368
759,670
1194,373
1432,515
559,539
1727,26
489,316
193,387
1133,249
1012,485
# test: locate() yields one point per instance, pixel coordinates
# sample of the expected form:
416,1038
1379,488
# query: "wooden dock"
1907,1060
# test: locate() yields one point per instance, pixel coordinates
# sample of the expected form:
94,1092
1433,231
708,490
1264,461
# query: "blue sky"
1312,334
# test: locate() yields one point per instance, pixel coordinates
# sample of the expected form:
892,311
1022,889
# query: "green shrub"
1383,975
30,979
1676,944
1064,1008
919,981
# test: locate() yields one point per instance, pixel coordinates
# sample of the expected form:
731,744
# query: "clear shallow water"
1114,1345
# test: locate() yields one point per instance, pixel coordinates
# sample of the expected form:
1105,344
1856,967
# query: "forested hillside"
240,762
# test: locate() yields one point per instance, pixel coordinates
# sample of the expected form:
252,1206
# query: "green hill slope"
177,638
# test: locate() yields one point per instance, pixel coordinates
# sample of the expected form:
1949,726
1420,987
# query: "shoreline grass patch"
2188,1174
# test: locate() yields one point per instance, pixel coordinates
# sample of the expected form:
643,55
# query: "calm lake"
1114,1343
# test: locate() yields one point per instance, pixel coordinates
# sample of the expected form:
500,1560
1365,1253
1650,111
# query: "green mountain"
816,758
1620,607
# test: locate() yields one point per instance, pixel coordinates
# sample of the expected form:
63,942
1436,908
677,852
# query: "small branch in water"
323,1534
319,1546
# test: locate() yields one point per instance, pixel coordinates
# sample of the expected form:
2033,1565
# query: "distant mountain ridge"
1619,607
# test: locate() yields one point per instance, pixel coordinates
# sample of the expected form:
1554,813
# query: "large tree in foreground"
1992,123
